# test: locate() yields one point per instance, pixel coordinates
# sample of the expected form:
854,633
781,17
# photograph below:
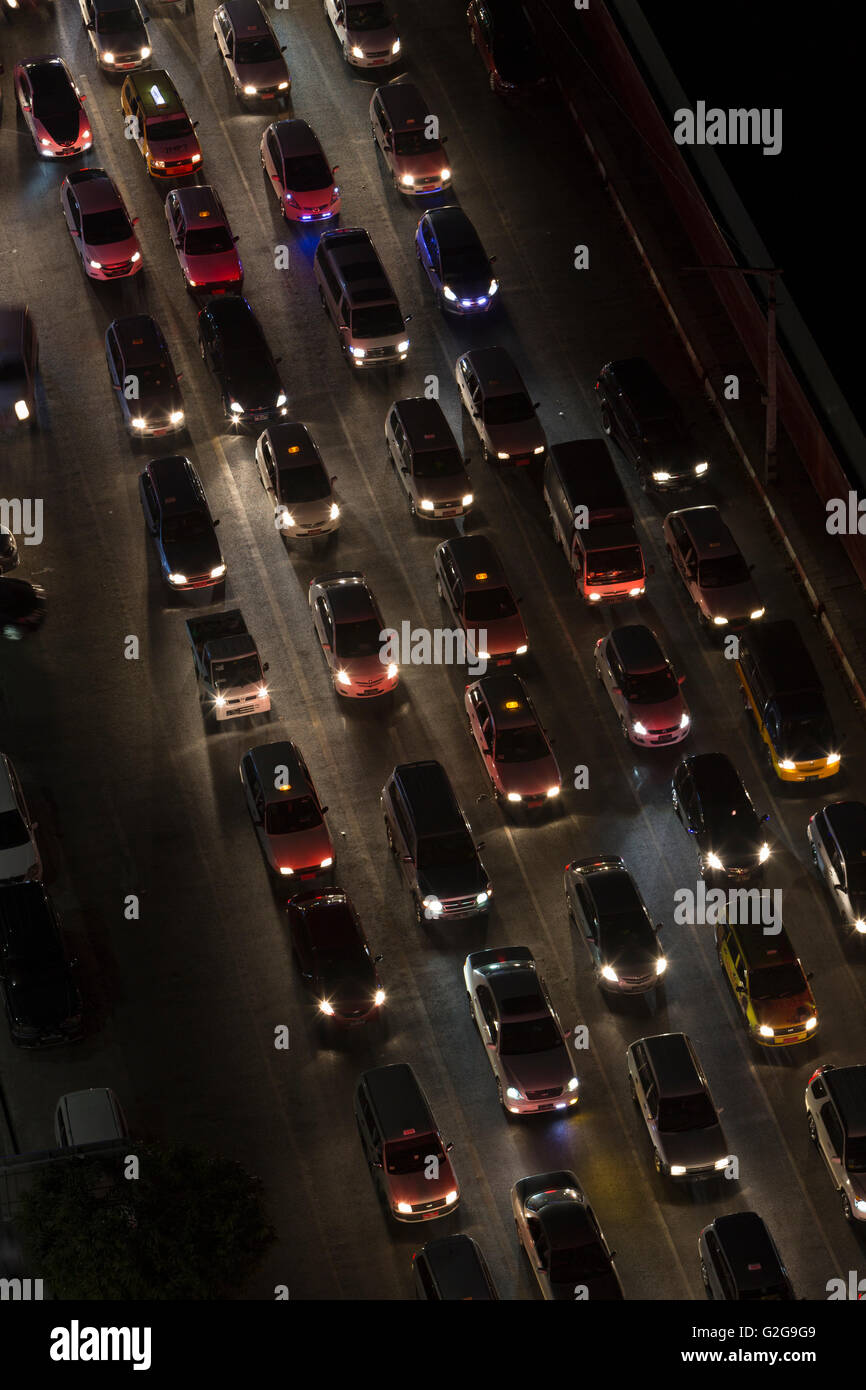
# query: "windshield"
411,1155
185,527
855,1154
508,410
623,563
414,142
117,21
443,851
466,260
260,50
727,569
367,17
358,639
245,671
531,1035
681,1113
434,465
208,241
628,932
307,484
307,172
856,874
777,981
485,605
100,228
808,736
13,832
285,817
651,687
12,369
524,745
380,321
154,376
174,129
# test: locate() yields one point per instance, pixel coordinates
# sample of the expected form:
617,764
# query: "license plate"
259,417
156,432
216,290
376,61
451,511
316,532
504,661
811,777
310,875
267,96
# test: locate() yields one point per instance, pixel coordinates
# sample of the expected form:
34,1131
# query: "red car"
52,107
100,226
201,236
512,742
501,33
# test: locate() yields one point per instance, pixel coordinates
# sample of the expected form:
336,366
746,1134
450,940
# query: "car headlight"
282,86
494,286
811,1023
608,973
395,48
513,1093
196,159
281,398
483,656
334,512
661,477
701,468
426,505
96,265
219,701
514,796
138,422
344,678
467,500
432,903
832,759
327,862
22,410
285,871
146,52
639,728
501,455
595,598
263,692
635,593
553,791
763,854
403,1207
326,1008
178,579
787,765
539,449
379,998
391,672
713,861
720,1164
758,613
236,408
249,91
860,925
444,174
765,1031
521,651
285,517
218,571
661,965
407,179
677,1170
159,163
449,293
685,721
860,1204
175,417
482,898
357,52
572,1085
357,352
43,141
136,256
720,622
108,57
404,346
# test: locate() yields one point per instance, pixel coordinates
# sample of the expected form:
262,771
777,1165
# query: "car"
178,518
494,397
500,32
19,363
607,912
562,1239
365,31
512,741
837,839
117,32
94,1116
767,981
285,809
639,413
425,457
740,1262
712,803
836,1113
456,264
300,175
521,1032
52,107
334,957
672,1094
782,692
706,558
22,608
143,377
202,238
408,141
252,55
156,119
452,1269
471,582
233,345
293,475
43,1005
20,859
100,227
642,685
349,625
403,1146
359,299
9,557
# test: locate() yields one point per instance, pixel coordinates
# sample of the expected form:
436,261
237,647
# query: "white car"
366,32
19,855
562,1239
349,625
94,1116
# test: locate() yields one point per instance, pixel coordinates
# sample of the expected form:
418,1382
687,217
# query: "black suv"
740,1262
452,1268
178,517
43,1005
713,805
232,343
641,415
430,838
143,375
607,911
334,957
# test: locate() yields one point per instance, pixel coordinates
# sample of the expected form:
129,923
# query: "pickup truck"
227,665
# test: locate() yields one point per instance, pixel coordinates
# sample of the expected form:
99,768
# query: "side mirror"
536,404
333,477
376,959
491,259
403,468
480,845
448,1148
324,810
194,124
839,888
266,666
467,462
76,234
235,240
283,48
135,221
658,926
89,26
216,522
809,974
277,360
179,376
34,825
408,318
613,1254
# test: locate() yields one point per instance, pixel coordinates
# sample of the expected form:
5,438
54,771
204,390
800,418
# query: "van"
767,980
709,562
782,690
431,840
427,460
591,519
89,1117
403,130
402,1144
357,296
155,118
453,1269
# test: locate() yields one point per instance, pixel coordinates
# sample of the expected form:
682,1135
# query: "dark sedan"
334,957
609,915
713,805
43,1005
178,517
232,343
457,266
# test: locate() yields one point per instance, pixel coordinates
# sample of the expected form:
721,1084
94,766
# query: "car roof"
641,384
847,1086
516,982
97,194
458,1264
173,477
566,1224
475,555
425,420
760,951
716,775
92,1115
779,646
709,533
351,601
198,199
405,105
295,136
140,338
747,1243
587,472
502,691
453,227
157,79
612,887
638,648
267,756
293,444
246,15
427,786
353,250
847,820
231,311
673,1064
105,5
399,1101
496,370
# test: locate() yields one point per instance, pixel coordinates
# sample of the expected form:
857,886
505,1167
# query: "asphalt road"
134,797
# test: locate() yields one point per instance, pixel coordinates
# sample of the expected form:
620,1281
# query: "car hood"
422,166
415,1188
453,881
313,197
262,74
309,513
112,252
155,401
538,1071
124,44
219,266
519,437
448,489
785,1013
174,149
198,556
472,284
633,961
351,996
732,601
529,779
516,61
504,635
301,850
696,1146
372,40
663,715
253,382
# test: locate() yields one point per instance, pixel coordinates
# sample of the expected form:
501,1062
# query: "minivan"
591,519
404,131
783,693
427,460
402,1144
430,838
156,117
709,562
357,296
452,1268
